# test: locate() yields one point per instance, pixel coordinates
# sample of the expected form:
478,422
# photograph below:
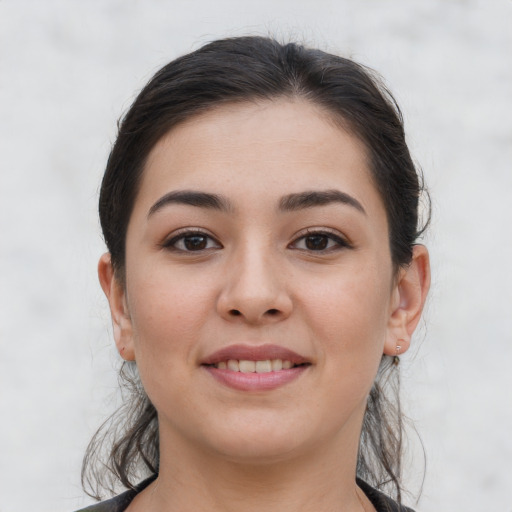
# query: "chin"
259,450
260,442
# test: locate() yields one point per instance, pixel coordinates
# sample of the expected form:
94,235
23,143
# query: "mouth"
255,368
260,366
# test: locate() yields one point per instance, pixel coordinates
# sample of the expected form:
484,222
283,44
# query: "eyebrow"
288,203
313,198
192,198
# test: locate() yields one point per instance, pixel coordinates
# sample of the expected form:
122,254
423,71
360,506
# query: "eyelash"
338,241
331,236
171,244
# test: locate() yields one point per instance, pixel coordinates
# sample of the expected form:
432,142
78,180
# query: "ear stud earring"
396,359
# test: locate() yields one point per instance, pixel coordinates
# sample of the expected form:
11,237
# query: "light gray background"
67,71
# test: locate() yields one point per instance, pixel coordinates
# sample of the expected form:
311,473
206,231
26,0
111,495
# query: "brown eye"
316,242
195,243
192,242
320,241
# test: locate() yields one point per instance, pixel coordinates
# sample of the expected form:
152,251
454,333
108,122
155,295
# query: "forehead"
267,147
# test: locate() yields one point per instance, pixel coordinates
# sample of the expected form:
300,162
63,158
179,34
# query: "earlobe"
409,295
115,293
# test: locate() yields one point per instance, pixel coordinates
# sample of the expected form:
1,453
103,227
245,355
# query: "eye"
191,241
318,241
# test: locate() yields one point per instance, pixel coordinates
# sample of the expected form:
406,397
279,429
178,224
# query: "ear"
121,321
409,294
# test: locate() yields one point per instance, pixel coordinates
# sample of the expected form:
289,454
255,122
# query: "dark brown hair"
240,70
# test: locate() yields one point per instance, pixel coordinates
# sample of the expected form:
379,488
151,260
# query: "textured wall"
68,69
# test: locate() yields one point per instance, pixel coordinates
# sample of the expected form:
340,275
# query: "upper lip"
254,353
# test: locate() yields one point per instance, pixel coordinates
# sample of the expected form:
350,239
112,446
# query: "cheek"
350,315
346,318
168,312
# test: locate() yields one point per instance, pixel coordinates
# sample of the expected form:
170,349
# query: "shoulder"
380,501
119,503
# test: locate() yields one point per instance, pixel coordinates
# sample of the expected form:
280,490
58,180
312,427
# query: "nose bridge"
254,288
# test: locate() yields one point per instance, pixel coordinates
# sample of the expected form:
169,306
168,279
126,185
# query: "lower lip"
256,381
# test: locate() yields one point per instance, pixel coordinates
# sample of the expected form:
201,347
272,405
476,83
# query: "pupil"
316,242
195,243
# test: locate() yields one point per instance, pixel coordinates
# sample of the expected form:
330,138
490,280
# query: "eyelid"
334,235
342,241
181,233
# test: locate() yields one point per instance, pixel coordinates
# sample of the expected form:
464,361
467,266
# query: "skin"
259,279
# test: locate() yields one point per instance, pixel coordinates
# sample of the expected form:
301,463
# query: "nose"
254,290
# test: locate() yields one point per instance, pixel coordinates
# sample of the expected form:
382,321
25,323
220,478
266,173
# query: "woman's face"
258,242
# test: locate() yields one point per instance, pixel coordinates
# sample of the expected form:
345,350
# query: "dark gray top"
380,501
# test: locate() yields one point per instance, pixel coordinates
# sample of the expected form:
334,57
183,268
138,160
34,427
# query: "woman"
260,208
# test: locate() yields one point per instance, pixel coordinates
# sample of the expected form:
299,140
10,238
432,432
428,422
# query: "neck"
323,479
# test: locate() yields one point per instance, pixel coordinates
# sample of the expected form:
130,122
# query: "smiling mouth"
255,368
263,366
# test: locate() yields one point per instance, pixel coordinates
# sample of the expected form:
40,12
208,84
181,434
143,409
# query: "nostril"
273,312
235,312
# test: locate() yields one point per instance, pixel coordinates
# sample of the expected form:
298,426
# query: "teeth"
245,366
263,366
233,365
277,364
